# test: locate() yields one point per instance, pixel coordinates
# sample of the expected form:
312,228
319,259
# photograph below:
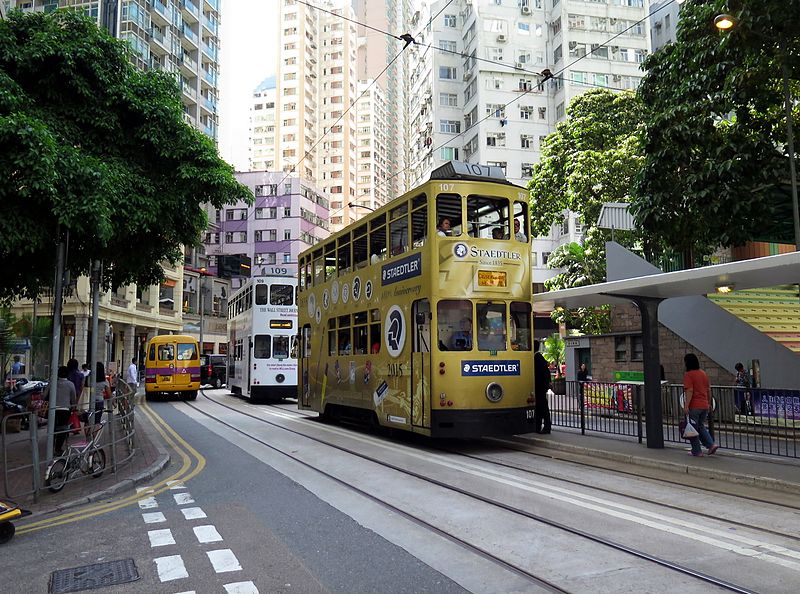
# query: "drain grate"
89,577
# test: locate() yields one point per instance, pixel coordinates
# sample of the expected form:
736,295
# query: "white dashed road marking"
206,534
175,485
171,568
183,498
148,503
153,518
193,513
161,538
241,588
223,560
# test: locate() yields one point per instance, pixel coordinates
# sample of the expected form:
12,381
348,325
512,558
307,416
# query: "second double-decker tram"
418,316
262,338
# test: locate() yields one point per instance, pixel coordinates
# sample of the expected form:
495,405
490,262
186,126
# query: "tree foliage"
580,265
98,151
592,158
554,351
716,167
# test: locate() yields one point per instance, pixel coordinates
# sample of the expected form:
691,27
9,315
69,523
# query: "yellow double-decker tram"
418,316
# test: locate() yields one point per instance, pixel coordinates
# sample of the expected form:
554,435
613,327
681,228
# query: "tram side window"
360,333
261,294
309,275
261,346
332,344
488,217
448,206
419,221
280,295
454,325
343,254
491,326
398,229
375,331
330,261
360,251
377,239
521,216
345,340
520,326
319,268
301,274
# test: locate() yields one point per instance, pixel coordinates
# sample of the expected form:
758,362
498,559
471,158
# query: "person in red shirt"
697,403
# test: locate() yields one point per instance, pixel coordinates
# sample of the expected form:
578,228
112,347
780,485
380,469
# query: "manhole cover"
94,576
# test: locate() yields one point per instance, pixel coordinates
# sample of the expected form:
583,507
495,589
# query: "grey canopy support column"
654,417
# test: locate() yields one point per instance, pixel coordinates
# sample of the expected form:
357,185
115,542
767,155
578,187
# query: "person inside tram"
497,233
518,234
444,227
462,340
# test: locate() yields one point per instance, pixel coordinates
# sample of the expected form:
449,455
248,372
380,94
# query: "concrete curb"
702,471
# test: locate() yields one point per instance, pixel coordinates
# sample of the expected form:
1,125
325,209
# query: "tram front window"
261,346
491,326
454,319
280,347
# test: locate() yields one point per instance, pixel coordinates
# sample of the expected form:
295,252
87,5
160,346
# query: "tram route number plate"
491,278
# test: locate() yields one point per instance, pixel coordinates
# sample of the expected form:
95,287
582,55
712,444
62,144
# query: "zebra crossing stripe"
193,513
170,568
161,538
148,503
154,518
183,498
241,588
206,534
223,560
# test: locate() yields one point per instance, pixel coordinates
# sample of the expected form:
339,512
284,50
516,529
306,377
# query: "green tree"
592,158
99,151
716,166
579,267
554,348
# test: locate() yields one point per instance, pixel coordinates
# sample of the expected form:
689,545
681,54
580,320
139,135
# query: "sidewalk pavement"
733,466
150,458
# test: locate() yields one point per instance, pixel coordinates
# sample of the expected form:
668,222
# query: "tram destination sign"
492,278
489,368
401,270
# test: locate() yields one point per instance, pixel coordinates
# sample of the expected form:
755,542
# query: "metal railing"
23,443
758,420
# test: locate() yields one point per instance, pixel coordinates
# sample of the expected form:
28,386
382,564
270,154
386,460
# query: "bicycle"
84,456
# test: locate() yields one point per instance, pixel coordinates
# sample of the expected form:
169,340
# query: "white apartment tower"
373,133
177,36
262,127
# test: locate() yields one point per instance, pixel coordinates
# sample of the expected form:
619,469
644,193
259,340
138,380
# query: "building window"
620,348
545,258
449,126
447,47
287,234
449,20
447,72
637,348
448,99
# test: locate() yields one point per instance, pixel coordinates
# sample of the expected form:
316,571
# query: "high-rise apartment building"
373,142
664,22
262,126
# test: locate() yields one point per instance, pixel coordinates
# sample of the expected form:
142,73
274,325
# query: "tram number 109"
276,270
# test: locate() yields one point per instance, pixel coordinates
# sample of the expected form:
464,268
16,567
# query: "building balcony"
188,66
190,11
160,13
188,35
209,78
189,90
211,24
158,43
211,52
212,4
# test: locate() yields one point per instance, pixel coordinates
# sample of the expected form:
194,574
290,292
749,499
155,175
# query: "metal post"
33,430
97,271
654,424
790,146
55,348
200,301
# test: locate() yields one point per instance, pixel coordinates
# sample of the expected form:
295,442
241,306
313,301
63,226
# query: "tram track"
687,571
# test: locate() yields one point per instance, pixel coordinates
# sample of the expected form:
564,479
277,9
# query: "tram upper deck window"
448,215
398,229
487,217
330,261
343,261
377,239
280,295
360,251
319,267
301,274
419,220
454,323
521,220
261,294
491,326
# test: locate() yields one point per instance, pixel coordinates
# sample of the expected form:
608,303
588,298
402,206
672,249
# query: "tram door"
303,364
421,364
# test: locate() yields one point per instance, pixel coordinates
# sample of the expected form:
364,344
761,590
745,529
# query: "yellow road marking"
184,473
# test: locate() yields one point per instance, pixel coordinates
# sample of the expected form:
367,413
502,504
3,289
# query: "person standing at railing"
743,383
66,399
132,376
541,381
697,404
102,391
583,376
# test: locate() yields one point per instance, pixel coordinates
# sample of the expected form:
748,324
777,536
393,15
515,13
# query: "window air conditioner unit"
526,10
520,65
467,75
501,38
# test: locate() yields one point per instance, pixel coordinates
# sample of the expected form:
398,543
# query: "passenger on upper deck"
518,234
444,227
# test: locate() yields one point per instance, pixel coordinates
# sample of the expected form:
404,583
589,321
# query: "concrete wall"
721,337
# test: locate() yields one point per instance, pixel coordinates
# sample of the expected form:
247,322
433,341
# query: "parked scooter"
9,511
27,395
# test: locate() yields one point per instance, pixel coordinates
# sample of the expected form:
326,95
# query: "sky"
248,54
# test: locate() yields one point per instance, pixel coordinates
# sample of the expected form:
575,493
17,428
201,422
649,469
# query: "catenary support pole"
97,273
654,421
55,351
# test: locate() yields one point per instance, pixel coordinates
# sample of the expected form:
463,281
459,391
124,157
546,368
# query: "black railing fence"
760,420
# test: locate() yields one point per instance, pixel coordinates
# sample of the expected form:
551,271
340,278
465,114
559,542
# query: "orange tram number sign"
491,278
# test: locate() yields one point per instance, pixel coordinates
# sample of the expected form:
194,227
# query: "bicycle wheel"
57,475
97,463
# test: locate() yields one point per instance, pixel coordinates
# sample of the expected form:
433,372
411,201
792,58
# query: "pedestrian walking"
541,380
102,391
66,399
132,376
75,375
697,404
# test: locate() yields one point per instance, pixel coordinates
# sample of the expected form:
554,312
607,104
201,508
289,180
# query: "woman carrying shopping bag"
697,403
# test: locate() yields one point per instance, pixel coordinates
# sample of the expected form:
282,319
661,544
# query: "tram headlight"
494,392
280,378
